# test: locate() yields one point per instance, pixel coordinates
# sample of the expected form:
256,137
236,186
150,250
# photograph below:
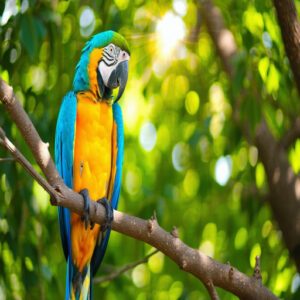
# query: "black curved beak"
118,78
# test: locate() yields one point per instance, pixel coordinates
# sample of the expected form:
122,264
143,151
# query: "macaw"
89,145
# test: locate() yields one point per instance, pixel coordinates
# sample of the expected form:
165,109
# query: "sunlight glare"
223,170
170,31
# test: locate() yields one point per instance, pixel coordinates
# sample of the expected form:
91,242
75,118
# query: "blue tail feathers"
79,284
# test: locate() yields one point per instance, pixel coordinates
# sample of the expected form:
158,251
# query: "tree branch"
212,291
221,36
6,159
291,135
123,269
188,259
257,273
9,146
290,31
284,185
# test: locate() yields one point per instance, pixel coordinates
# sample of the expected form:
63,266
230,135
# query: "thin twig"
20,158
123,269
257,273
212,290
6,159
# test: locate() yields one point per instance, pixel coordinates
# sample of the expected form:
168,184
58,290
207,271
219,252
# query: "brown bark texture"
290,31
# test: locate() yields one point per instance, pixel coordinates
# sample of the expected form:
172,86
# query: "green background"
180,137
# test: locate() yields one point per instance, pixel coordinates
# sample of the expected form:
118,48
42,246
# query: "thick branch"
284,185
284,189
188,259
290,31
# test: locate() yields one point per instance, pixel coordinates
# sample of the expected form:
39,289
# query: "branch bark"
221,36
290,31
188,259
284,185
6,159
291,135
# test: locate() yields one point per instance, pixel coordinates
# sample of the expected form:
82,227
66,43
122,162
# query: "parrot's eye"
111,49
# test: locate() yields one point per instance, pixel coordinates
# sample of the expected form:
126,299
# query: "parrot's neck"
94,97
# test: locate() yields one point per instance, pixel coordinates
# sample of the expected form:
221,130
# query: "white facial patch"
112,56
105,71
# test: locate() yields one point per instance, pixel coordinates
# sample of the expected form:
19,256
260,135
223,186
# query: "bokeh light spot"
180,7
295,283
192,102
240,238
87,21
156,262
148,136
253,156
223,170
141,276
266,229
133,181
170,31
260,175
121,4
208,248
191,183
176,290
180,156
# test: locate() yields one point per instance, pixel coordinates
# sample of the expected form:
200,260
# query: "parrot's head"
103,66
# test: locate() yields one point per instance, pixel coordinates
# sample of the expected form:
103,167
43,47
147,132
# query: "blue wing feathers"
117,112
64,148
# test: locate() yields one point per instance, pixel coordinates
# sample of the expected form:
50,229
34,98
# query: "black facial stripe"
107,52
108,57
112,54
107,63
108,60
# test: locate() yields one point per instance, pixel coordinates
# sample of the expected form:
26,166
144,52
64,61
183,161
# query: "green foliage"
185,158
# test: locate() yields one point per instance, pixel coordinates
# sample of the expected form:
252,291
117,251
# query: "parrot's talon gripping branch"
109,214
86,208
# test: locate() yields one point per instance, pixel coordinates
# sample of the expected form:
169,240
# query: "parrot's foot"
109,214
86,210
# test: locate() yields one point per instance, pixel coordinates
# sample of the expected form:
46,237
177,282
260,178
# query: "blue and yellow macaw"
89,146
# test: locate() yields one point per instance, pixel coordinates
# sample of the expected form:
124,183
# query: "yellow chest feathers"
93,147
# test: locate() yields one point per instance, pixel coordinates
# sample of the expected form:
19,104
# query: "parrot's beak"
118,78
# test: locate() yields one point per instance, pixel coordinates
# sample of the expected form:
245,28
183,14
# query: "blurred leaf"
31,32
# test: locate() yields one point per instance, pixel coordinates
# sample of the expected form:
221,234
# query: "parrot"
89,147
